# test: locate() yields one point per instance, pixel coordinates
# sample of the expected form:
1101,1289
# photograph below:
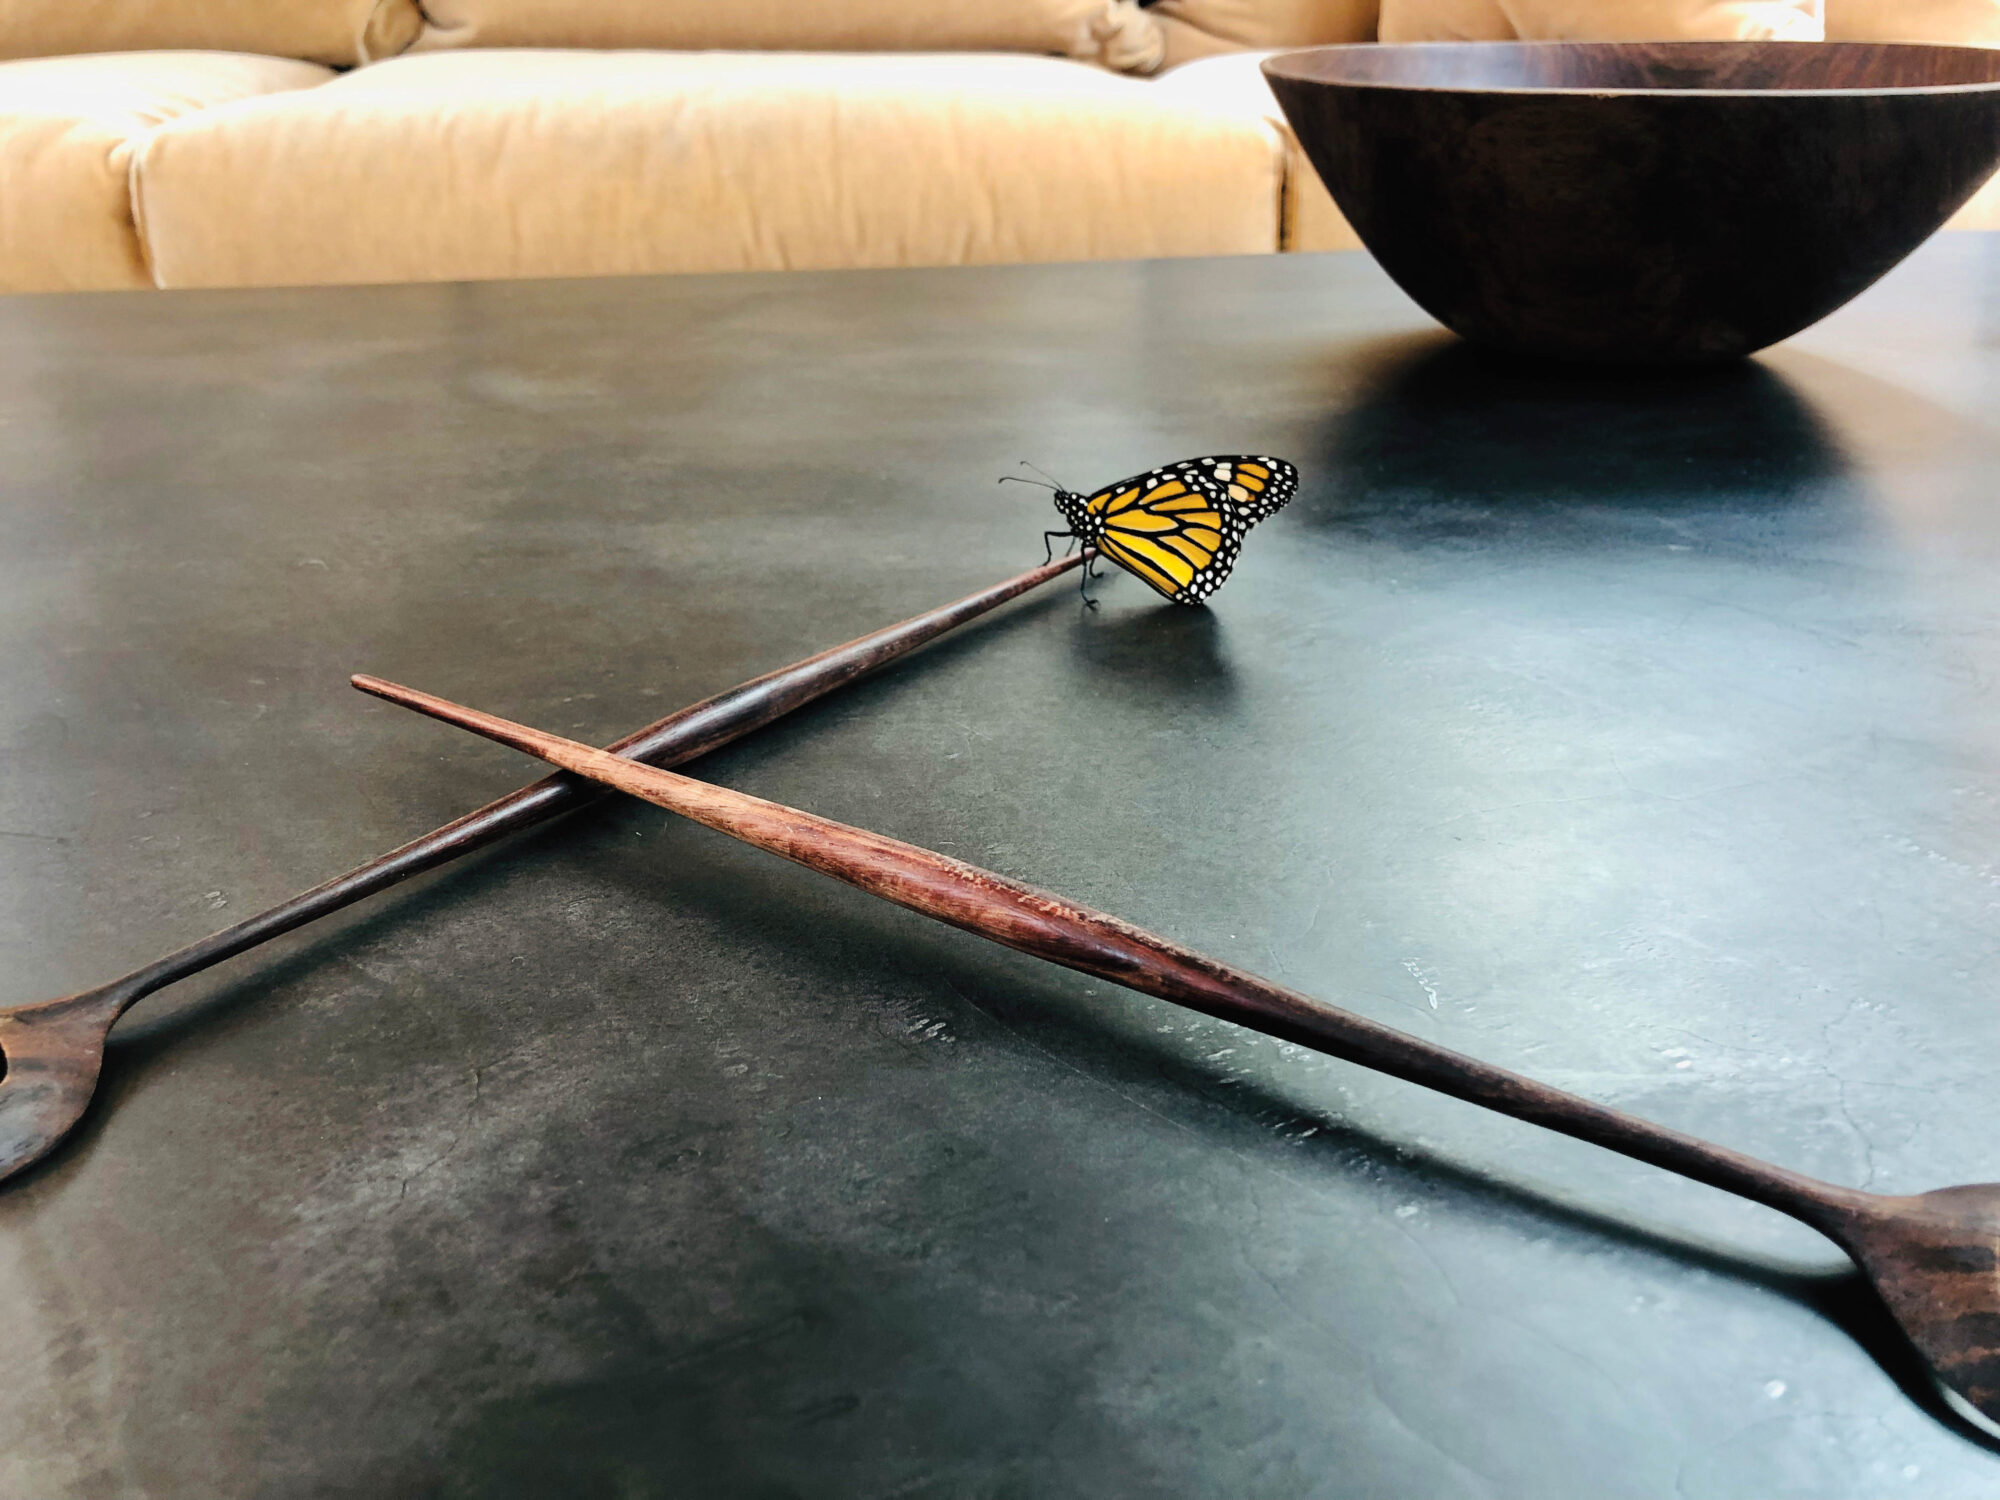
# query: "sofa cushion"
1975,22
68,126
342,32
531,163
1308,218
1601,20
1982,211
1051,26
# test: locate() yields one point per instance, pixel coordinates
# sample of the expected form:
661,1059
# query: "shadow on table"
1844,1298
1140,648
1443,424
202,1002
1038,1011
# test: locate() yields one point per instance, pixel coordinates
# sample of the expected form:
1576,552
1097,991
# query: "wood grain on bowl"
1657,203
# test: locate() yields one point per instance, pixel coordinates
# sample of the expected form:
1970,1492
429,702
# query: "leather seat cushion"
68,128
479,164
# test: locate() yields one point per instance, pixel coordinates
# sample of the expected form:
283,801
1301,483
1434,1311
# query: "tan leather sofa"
188,143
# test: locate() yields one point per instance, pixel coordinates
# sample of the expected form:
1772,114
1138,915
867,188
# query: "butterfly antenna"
1017,479
1049,477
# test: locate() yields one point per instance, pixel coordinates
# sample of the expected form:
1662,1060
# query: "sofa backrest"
340,32
1604,20
1276,23
1118,33
1058,26
1972,22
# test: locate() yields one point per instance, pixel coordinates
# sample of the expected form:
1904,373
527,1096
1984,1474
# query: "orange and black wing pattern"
1169,532
1258,487
1179,529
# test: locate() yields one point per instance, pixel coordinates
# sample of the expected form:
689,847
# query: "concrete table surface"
1639,735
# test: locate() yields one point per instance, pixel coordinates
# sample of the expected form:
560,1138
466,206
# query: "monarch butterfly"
1178,529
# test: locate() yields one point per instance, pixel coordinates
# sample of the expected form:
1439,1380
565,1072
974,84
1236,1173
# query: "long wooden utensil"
1934,1258
51,1051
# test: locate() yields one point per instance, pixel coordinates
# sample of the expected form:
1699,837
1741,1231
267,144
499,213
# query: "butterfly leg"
1085,577
1049,544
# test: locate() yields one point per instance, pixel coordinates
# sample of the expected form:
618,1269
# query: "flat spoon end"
1934,1258
52,1054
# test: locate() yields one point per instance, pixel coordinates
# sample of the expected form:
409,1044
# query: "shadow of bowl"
1655,203
1445,426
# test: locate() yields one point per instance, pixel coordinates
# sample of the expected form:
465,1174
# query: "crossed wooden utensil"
1934,1257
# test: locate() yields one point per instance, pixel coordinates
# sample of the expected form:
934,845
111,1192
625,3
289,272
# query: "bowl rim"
1271,68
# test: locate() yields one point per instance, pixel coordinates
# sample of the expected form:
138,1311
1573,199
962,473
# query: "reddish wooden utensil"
1935,1258
51,1051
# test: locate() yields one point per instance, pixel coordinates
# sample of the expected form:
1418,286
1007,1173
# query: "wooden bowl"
1643,203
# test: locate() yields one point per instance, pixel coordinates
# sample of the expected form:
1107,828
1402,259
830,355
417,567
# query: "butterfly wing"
1170,530
1257,486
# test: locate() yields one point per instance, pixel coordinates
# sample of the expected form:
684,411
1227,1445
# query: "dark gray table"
1640,736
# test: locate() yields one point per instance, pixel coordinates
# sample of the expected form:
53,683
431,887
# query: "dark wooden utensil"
1659,203
1935,1257
51,1051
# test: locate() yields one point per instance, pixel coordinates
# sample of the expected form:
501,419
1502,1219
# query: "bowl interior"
1646,67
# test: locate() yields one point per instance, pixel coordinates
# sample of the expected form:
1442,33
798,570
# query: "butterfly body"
1179,528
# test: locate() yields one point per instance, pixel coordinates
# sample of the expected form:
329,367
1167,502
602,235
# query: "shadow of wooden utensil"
1934,1258
53,1051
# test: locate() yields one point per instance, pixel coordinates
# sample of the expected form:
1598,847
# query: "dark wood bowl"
1642,203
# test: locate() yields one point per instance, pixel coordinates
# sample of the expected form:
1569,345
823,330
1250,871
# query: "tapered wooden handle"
681,736
1046,925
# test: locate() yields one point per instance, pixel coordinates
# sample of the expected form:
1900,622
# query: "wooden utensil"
1934,1258
51,1051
